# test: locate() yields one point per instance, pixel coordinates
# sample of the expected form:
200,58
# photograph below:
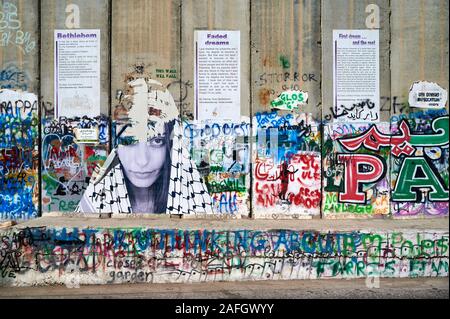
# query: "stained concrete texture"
164,221
391,288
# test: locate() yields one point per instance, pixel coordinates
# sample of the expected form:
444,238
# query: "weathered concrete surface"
78,251
288,59
93,15
419,47
144,38
19,54
157,221
436,288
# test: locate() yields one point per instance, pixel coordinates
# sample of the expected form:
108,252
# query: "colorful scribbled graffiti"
31,256
275,165
19,160
356,182
357,176
287,168
222,155
420,174
68,165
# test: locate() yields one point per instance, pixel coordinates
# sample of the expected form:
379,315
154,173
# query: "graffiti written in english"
143,255
358,111
418,157
227,185
294,181
360,169
289,100
264,168
10,29
332,205
18,108
226,202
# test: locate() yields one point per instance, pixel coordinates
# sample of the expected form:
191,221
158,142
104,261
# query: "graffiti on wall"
272,84
68,165
19,160
149,169
356,183
182,89
289,100
11,31
357,177
420,170
221,152
287,169
11,77
95,256
162,161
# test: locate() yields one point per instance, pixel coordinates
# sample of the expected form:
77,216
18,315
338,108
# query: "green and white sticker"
289,100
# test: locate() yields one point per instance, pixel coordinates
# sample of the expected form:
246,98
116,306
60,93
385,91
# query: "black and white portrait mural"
149,170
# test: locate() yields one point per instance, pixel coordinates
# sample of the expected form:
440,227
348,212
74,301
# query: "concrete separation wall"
156,252
288,150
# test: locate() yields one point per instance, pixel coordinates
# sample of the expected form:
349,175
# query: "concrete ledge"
165,221
76,251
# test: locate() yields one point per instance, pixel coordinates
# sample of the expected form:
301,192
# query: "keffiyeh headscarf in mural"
146,112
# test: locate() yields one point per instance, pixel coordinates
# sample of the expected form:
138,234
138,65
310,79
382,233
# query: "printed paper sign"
427,95
356,83
77,73
217,75
86,135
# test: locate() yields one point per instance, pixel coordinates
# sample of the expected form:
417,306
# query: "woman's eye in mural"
157,142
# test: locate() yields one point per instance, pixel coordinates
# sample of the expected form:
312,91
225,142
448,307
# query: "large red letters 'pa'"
357,173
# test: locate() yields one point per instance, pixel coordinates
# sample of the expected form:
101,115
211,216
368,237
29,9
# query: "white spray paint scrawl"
428,95
289,100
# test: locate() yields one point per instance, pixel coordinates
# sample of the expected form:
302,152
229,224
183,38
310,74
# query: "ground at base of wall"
391,288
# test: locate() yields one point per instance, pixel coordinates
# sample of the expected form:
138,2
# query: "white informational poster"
77,73
356,75
217,75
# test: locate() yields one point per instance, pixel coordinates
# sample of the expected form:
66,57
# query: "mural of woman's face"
143,161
